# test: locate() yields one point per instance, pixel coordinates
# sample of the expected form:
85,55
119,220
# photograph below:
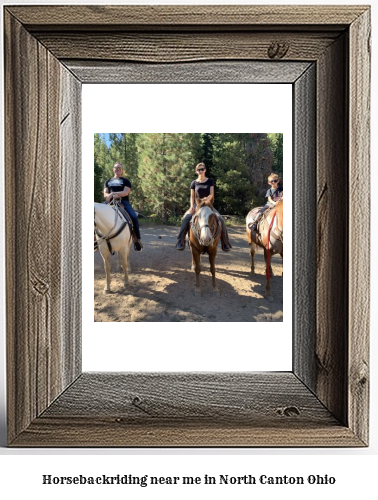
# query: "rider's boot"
180,245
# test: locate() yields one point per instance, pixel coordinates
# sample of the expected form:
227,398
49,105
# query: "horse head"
203,221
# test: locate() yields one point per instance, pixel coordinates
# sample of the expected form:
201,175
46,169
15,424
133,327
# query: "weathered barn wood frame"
324,52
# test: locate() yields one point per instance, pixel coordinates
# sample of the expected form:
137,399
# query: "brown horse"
268,235
204,235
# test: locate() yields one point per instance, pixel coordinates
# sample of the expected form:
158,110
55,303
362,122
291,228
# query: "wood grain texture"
199,72
180,47
332,230
359,209
70,164
324,402
196,409
33,230
173,16
32,148
304,222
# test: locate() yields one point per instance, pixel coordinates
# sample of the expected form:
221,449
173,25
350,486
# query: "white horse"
113,235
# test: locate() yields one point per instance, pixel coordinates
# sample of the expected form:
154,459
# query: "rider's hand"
191,210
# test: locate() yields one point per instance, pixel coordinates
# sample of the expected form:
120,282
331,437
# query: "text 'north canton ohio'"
266,479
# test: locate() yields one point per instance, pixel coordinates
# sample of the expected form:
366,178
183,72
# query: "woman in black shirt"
119,187
203,187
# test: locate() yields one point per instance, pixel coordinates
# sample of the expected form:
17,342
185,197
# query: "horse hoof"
198,293
269,298
107,291
216,293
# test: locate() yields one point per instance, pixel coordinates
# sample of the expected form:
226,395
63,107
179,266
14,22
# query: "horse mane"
204,203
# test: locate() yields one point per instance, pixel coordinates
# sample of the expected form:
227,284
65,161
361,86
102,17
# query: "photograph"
188,227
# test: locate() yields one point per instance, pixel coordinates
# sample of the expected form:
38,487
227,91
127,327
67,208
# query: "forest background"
161,168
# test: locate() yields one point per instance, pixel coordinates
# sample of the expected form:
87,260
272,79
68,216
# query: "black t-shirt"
275,194
115,185
202,189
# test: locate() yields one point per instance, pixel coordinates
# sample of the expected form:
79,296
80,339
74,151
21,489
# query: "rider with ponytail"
203,188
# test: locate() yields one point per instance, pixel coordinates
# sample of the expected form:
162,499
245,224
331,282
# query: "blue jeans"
184,227
129,209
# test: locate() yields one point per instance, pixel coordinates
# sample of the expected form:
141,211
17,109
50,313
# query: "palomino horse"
269,236
113,235
204,235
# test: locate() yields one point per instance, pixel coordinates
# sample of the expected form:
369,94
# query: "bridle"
197,229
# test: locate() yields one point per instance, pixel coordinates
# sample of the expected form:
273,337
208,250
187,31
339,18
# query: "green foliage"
161,168
234,192
98,187
166,164
276,144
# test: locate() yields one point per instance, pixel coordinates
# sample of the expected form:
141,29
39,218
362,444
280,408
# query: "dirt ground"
162,284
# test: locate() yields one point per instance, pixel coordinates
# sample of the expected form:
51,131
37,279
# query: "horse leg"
193,268
105,254
268,267
196,263
282,261
253,251
252,246
212,256
127,252
124,257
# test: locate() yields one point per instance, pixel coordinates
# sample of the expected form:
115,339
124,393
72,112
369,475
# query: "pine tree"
259,162
234,193
124,150
166,166
208,152
102,165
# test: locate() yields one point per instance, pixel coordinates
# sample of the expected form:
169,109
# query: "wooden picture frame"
50,51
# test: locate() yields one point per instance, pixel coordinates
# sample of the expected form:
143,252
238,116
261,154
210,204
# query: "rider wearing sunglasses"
274,194
118,188
203,187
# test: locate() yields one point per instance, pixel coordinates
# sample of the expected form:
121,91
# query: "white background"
186,108
354,469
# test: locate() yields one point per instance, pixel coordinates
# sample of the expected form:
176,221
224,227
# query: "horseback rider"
203,187
118,188
274,194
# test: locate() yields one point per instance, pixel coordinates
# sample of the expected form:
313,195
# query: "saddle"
254,226
126,216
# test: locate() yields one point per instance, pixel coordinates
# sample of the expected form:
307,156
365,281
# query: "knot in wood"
278,50
136,400
41,287
288,411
